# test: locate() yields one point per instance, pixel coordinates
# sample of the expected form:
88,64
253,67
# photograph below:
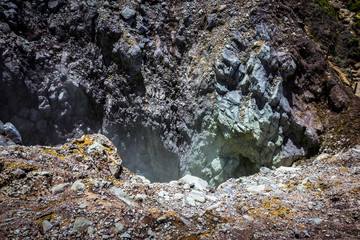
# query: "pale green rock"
59,188
122,196
78,186
81,224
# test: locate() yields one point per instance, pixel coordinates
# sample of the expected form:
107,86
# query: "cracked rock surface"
216,90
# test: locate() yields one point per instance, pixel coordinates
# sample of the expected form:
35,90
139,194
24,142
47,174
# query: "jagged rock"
250,91
12,133
338,98
128,13
212,21
81,224
130,57
47,226
115,169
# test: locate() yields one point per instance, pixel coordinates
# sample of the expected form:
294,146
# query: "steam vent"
169,119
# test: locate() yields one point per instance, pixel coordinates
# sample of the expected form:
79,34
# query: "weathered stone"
140,197
199,183
197,196
12,133
81,224
212,21
115,169
47,226
128,13
338,98
2,128
2,141
119,226
122,196
78,185
59,188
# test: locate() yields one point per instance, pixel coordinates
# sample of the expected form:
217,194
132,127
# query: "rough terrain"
80,191
233,119
212,89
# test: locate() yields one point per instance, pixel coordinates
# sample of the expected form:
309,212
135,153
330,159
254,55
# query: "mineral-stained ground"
243,114
79,190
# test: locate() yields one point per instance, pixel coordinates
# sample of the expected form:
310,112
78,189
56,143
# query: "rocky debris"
316,198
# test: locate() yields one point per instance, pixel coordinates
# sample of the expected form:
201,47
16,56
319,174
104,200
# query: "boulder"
198,183
12,133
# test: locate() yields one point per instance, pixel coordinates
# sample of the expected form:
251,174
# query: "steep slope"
215,90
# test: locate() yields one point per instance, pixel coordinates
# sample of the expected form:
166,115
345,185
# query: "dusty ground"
41,197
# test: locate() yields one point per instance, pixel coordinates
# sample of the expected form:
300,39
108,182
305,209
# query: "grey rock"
140,197
12,133
60,188
265,53
125,235
199,183
190,201
197,196
78,185
47,226
287,64
122,196
19,173
44,106
247,217
317,221
128,13
230,59
115,169
130,57
142,30
81,224
2,141
91,231
212,21
53,5
2,128
119,227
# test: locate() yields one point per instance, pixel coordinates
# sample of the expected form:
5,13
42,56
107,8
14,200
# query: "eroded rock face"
216,91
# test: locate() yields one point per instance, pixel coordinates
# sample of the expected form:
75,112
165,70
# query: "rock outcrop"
318,198
201,88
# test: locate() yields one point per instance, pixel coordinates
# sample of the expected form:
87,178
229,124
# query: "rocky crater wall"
202,88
